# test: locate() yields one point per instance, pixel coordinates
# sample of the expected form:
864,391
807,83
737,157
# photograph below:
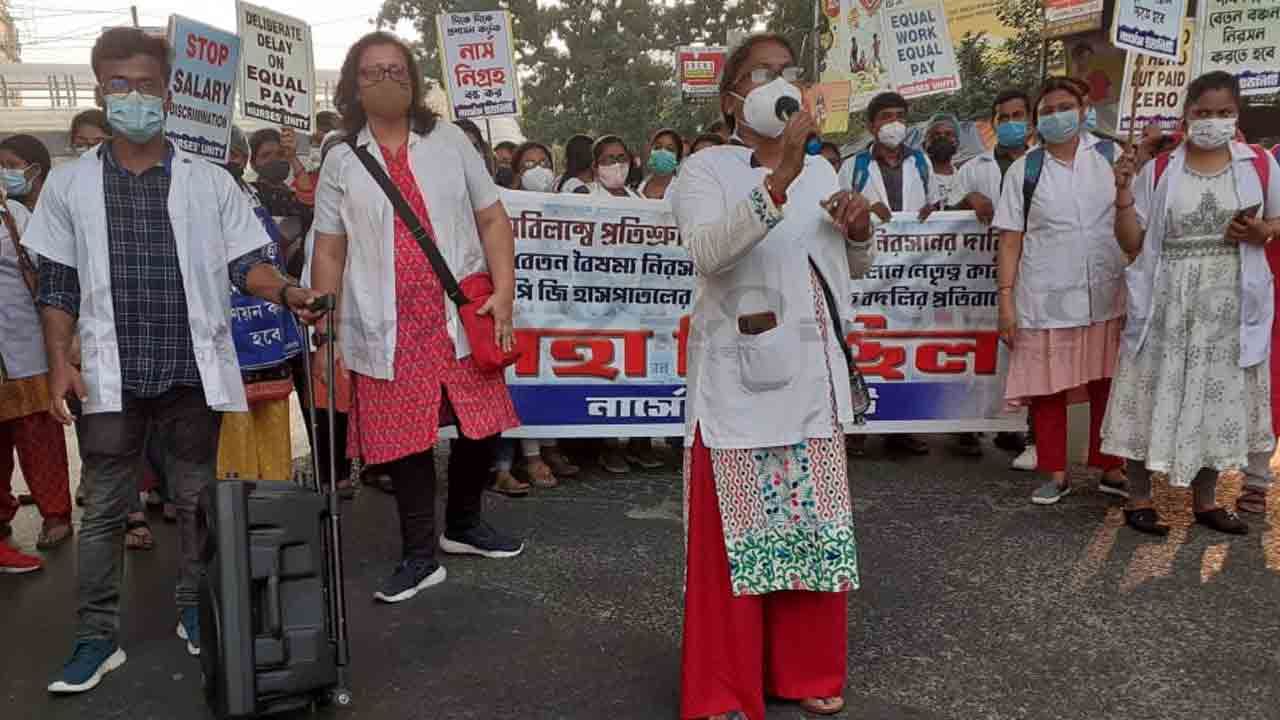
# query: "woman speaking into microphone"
771,549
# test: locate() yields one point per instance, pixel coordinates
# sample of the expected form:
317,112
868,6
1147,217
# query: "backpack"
1259,163
1035,164
862,169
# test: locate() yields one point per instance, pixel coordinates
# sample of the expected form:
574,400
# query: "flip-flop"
822,706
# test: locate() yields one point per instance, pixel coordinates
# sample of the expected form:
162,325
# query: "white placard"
922,60
479,66
1240,37
1149,27
278,75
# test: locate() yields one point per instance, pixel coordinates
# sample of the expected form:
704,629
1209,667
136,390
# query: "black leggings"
414,477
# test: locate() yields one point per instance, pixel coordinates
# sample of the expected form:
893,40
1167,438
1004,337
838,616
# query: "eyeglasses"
763,75
123,86
618,159
531,164
374,74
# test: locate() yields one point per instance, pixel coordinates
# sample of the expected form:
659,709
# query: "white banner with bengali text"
603,288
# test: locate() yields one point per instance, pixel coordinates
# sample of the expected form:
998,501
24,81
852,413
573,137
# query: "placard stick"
1133,106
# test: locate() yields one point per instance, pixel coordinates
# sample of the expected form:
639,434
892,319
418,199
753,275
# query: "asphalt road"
975,605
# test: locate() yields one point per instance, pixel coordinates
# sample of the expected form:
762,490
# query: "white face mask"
760,107
892,134
613,176
1211,133
537,179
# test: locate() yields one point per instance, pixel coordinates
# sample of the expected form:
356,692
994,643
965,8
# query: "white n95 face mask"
760,107
892,134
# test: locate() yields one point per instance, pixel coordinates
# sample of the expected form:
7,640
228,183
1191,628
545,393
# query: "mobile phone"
1246,213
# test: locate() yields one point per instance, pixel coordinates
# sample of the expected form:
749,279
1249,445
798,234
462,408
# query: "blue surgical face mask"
16,183
663,162
1091,118
1012,133
136,116
1059,127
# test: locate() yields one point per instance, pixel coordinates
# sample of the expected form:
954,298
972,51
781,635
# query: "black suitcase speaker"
272,610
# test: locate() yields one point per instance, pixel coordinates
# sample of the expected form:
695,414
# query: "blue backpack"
862,169
1035,164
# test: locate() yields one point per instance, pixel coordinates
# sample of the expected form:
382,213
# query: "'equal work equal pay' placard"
278,76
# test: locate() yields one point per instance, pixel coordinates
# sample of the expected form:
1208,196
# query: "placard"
279,77
202,82
604,287
479,64
828,103
1240,37
1068,17
921,59
1149,27
698,71
1162,88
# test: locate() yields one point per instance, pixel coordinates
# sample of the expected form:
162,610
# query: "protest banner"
202,82
1149,27
604,287
1240,37
479,64
1153,94
851,51
698,72
279,77
922,60
1068,17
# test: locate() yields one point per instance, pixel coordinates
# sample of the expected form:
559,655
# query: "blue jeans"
184,434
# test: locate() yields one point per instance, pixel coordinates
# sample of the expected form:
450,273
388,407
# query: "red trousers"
1049,421
42,451
737,650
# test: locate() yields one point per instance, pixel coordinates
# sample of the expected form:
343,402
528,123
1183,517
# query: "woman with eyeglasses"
665,153
412,366
88,130
771,552
610,166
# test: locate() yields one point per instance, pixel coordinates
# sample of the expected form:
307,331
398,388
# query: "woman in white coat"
1192,393
771,549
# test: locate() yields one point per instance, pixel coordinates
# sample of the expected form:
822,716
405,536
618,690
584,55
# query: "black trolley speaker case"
272,611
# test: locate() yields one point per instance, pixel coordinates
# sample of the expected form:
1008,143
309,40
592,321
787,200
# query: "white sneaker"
1027,460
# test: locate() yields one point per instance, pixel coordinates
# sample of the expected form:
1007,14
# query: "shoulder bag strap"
833,309
28,268
410,219
1030,179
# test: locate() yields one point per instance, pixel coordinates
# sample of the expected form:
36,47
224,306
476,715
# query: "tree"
595,66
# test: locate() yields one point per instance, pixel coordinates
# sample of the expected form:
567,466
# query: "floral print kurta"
786,511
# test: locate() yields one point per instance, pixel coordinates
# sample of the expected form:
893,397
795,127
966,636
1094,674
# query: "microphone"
788,106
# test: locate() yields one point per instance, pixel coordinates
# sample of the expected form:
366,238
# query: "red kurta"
395,418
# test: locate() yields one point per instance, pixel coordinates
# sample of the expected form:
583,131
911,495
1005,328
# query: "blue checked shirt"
152,323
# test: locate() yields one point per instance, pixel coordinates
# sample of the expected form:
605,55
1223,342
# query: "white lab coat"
212,225
1257,294
915,194
769,389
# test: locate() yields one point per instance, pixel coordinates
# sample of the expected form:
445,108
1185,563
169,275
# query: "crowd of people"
1133,277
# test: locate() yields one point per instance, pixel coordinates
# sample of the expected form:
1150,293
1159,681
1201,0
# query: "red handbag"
470,296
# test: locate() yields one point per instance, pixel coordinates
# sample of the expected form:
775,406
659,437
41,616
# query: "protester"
1060,280
476,138
88,129
892,178
979,183
327,121
610,164
768,567
141,243
577,165
274,157
534,168
503,154
24,167
702,142
831,152
941,142
408,379
256,445
665,153
25,423
1192,392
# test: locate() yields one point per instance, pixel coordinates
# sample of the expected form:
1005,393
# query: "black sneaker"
480,539
1224,521
411,577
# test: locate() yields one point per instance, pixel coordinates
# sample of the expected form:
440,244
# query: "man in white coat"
141,243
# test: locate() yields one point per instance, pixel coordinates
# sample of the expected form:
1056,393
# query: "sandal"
53,534
560,465
541,475
1223,521
1146,521
1252,500
822,706
137,535
505,483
